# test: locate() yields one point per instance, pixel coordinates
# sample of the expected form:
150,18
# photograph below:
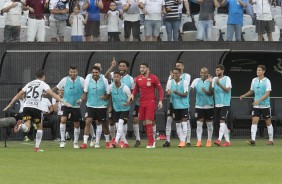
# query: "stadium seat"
275,35
223,32
189,35
142,33
1,34
103,33
23,35
220,20
47,34
278,22
184,19
215,33
163,34
68,34
249,33
275,10
23,20
2,21
247,20
196,19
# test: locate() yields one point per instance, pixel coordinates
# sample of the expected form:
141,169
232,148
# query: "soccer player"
261,87
204,105
120,94
31,111
222,96
129,82
184,76
179,96
146,83
73,90
95,90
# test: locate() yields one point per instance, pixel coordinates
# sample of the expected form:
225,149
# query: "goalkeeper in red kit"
146,84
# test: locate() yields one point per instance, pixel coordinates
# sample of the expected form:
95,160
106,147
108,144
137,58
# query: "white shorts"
36,28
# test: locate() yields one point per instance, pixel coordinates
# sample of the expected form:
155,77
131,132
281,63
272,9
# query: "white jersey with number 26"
33,91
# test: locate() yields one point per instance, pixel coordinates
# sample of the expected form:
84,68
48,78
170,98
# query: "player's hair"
180,61
96,68
125,62
117,72
73,67
145,64
178,69
221,67
262,67
40,73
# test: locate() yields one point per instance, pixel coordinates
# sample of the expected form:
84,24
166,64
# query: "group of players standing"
213,96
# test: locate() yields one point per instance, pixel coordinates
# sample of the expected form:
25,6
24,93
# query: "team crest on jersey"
148,83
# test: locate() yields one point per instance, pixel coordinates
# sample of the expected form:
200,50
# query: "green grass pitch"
238,164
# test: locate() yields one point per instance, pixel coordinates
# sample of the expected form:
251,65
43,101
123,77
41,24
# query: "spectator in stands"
131,18
172,19
36,23
12,23
104,10
59,14
77,21
92,27
264,20
113,17
48,116
153,18
235,18
206,15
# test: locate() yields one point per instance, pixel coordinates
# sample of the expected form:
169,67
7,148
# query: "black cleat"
251,142
166,144
188,144
137,143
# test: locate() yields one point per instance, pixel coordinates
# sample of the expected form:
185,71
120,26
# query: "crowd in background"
86,17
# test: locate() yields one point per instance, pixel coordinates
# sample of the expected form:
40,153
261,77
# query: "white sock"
85,139
124,132
98,134
188,132
254,129
24,128
221,131
38,138
136,131
179,132
270,132
92,132
63,131
210,130
226,133
76,133
184,130
107,137
155,131
112,131
119,130
199,130
168,128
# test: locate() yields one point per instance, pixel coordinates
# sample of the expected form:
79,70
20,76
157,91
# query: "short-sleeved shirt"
13,16
77,25
260,87
113,21
132,14
262,9
153,9
38,7
93,11
33,91
235,12
53,5
206,10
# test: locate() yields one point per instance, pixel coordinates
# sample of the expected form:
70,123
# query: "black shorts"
32,114
265,112
264,26
221,113
120,115
99,114
135,112
170,110
178,114
207,114
134,26
92,28
75,113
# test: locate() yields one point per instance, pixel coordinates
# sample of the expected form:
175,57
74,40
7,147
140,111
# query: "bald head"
204,73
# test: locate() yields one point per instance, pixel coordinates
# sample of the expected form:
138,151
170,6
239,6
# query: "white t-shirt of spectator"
52,5
13,17
77,25
262,9
113,21
133,13
34,90
153,8
44,105
59,111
